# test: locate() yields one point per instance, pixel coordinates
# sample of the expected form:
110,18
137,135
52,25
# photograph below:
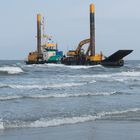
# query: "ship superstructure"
47,50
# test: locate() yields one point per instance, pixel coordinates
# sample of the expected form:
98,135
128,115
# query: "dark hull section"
119,63
70,61
42,62
114,60
33,62
77,60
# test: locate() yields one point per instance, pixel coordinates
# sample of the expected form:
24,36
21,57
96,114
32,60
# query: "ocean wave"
79,119
116,76
55,65
12,97
124,74
3,85
128,73
83,67
64,66
47,86
73,95
56,95
44,122
11,70
1,124
63,85
62,121
122,111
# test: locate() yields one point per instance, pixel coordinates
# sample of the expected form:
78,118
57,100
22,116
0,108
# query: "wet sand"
98,130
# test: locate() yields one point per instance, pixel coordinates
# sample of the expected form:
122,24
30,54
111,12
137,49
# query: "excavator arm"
83,42
78,50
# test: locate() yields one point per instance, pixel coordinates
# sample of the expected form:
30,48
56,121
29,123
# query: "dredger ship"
47,51
79,56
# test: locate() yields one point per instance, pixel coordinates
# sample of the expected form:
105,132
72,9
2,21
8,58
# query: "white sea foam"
92,76
119,112
83,67
79,119
19,86
62,85
124,74
129,73
55,65
124,111
117,76
11,70
3,85
55,95
1,124
120,79
43,122
62,121
97,76
72,67
3,98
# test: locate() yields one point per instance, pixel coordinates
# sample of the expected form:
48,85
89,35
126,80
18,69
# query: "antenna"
43,28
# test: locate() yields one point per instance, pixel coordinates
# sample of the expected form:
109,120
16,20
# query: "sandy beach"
98,130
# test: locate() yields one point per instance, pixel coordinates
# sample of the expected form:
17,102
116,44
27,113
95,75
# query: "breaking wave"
4,98
44,122
67,66
1,124
83,67
56,95
128,74
63,85
11,70
79,119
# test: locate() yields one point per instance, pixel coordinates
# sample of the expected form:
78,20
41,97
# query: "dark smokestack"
92,29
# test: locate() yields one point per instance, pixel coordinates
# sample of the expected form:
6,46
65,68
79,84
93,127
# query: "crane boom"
78,49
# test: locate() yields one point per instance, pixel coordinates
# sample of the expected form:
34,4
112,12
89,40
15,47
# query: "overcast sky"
117,25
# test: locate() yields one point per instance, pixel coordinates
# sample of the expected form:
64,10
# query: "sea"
59,102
